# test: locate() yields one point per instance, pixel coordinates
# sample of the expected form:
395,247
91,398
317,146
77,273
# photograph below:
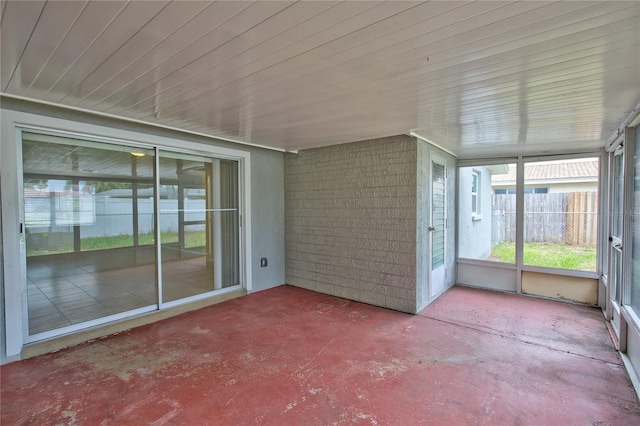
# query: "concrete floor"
295,357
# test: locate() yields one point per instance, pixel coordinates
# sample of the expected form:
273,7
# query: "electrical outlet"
263,262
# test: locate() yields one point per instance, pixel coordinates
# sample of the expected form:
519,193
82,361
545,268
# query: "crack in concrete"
503,334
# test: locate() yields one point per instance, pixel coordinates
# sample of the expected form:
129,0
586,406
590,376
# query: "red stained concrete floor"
289,356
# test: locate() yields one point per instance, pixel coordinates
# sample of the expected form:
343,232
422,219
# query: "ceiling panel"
272,69
112,36
355,78
201,37
229,31
363,41
77,40
306,35
18,23
50,29
477,78
164,24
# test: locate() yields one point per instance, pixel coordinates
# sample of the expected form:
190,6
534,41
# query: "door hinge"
21,228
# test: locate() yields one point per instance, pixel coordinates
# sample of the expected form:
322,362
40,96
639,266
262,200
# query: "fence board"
557,218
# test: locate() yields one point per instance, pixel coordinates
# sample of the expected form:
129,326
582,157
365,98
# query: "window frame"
476,196
508,276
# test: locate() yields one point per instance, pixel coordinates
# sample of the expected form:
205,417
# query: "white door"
437,225
615,237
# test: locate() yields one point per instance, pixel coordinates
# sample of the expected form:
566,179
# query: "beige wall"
577,289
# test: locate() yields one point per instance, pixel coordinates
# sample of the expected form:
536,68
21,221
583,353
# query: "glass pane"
145,232
437,212
229,223
198,225
113,225
83,262
617,195
635,256
490,233
616,274
560,226
44,234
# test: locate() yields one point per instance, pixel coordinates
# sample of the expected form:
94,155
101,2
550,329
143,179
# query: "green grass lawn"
192,239
549,255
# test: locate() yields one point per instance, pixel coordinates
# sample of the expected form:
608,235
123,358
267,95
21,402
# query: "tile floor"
288,356
64,294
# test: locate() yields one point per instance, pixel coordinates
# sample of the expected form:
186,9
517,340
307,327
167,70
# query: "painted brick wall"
350,221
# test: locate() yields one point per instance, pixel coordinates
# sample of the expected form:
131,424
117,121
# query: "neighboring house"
550,177
474,205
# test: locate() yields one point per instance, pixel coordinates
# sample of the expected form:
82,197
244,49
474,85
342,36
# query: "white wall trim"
422,138
486,162
13,240
480,262
562,272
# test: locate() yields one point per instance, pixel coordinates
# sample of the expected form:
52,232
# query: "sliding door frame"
14,247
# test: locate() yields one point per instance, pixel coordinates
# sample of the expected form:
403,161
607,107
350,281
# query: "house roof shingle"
581,169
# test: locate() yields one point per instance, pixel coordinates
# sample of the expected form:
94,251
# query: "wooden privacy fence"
558,218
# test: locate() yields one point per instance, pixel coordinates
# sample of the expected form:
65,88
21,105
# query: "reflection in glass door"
199,224
88,213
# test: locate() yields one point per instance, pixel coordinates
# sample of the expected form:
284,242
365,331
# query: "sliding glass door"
198,224
96,251
83,262
616,209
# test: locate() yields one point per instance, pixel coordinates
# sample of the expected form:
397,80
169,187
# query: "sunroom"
159,157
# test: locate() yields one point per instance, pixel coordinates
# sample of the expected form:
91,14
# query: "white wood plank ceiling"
477,78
